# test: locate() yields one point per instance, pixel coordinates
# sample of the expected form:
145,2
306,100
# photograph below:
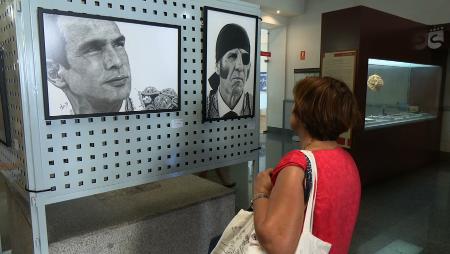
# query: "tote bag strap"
309,215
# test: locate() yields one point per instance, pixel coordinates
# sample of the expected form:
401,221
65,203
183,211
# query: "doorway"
263,81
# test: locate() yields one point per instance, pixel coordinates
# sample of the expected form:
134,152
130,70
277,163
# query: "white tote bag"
309,244
239,236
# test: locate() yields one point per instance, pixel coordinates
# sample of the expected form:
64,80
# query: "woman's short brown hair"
325,107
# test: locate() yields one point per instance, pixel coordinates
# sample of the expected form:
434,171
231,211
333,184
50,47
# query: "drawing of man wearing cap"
227,99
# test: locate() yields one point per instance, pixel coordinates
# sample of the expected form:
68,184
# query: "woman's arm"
279,219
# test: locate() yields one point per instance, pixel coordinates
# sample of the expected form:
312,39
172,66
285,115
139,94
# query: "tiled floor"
406,214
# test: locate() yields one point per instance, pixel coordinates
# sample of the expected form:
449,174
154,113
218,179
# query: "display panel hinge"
37,243
19,6
33,201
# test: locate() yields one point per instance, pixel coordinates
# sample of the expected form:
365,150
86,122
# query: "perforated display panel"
8,43
79,157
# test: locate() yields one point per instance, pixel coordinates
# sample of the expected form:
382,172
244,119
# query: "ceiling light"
278,11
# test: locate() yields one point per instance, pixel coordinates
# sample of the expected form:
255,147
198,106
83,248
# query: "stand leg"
39,221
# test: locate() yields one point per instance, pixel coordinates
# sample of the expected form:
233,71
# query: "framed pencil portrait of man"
95,65
229,76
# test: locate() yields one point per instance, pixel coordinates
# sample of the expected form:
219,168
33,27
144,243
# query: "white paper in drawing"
143,57
230,70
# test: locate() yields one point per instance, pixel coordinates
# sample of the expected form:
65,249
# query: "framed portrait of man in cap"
229,74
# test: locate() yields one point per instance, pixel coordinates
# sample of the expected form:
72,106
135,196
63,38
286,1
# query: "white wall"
430,12
287,7
276,77
263,68
264,47
270,21
304,33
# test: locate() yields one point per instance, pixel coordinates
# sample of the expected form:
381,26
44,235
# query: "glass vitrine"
401,93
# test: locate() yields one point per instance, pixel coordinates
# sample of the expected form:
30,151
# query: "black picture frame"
5,131
206,10
41,26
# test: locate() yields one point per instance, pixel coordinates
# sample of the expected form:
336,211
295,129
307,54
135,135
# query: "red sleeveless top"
338,194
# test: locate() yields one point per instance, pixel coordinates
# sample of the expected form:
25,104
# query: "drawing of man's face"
99,63
234,69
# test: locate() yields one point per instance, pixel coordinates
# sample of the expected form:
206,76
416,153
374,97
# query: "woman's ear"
293,121
54,76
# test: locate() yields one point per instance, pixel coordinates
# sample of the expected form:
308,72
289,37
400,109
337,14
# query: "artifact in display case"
401,93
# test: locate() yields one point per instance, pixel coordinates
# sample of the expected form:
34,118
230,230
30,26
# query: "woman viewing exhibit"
323,109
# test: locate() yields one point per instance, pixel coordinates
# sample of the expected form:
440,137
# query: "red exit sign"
266,53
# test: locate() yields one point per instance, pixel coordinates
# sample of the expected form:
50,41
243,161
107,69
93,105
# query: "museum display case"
402,109
401,93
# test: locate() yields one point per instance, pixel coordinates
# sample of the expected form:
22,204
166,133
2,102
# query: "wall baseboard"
279,130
